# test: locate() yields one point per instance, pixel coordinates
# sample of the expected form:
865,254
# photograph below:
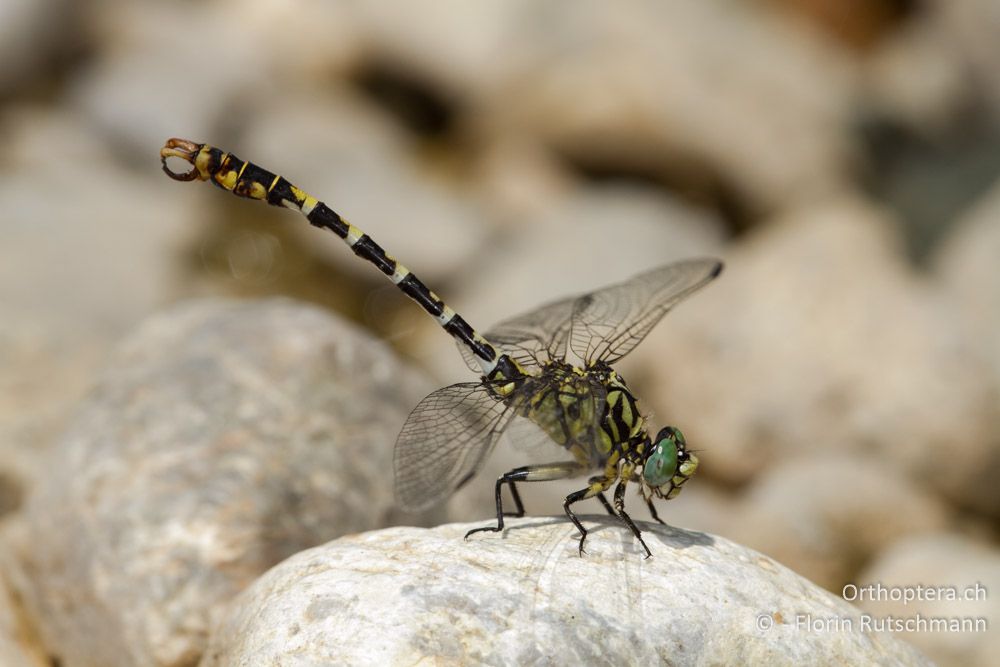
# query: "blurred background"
840,381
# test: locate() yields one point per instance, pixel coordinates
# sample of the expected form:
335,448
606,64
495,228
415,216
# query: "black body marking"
373,252
325,217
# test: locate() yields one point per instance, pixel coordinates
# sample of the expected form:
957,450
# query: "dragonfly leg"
652,511
607,506
597,487
536,473
623,515
518,505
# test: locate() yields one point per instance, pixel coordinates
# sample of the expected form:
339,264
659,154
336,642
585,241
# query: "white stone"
412,596
222,438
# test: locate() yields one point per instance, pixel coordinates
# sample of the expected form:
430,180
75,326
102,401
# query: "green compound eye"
662,462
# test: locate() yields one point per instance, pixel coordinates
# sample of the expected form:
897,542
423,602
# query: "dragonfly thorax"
589,412
623,422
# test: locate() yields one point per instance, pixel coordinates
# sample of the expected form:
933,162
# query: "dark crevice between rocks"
689,180
928,180
419,105
859,25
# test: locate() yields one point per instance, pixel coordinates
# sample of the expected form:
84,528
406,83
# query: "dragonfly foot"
582,538
484,529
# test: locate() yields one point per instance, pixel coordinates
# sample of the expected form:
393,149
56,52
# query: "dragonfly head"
668,464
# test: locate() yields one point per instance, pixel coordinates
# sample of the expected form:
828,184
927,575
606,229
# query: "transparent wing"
444,442
536,337
526,437
468,357
602,325
609,323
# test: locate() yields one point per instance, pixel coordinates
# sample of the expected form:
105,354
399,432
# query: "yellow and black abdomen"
246,179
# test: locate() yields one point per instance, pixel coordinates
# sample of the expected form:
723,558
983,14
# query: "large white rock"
222,438
414,596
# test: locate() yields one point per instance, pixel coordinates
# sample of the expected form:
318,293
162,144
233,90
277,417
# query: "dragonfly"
545,374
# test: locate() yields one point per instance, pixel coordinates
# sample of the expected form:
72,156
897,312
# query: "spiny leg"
596,488
536,473
519,506
623,515
607,506
652,511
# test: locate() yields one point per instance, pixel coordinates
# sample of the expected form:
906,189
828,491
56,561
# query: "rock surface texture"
224,438
413,596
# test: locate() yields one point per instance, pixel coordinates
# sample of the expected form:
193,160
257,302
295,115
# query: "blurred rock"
303,40
87,243
941,560
183,70
936,76
677,90
968,263
972,29
44,370
818,338
33,35
826,516
19,646
660,88
166,70
223,438
87,251
917,77
856,23
460,47
526,597
930,121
